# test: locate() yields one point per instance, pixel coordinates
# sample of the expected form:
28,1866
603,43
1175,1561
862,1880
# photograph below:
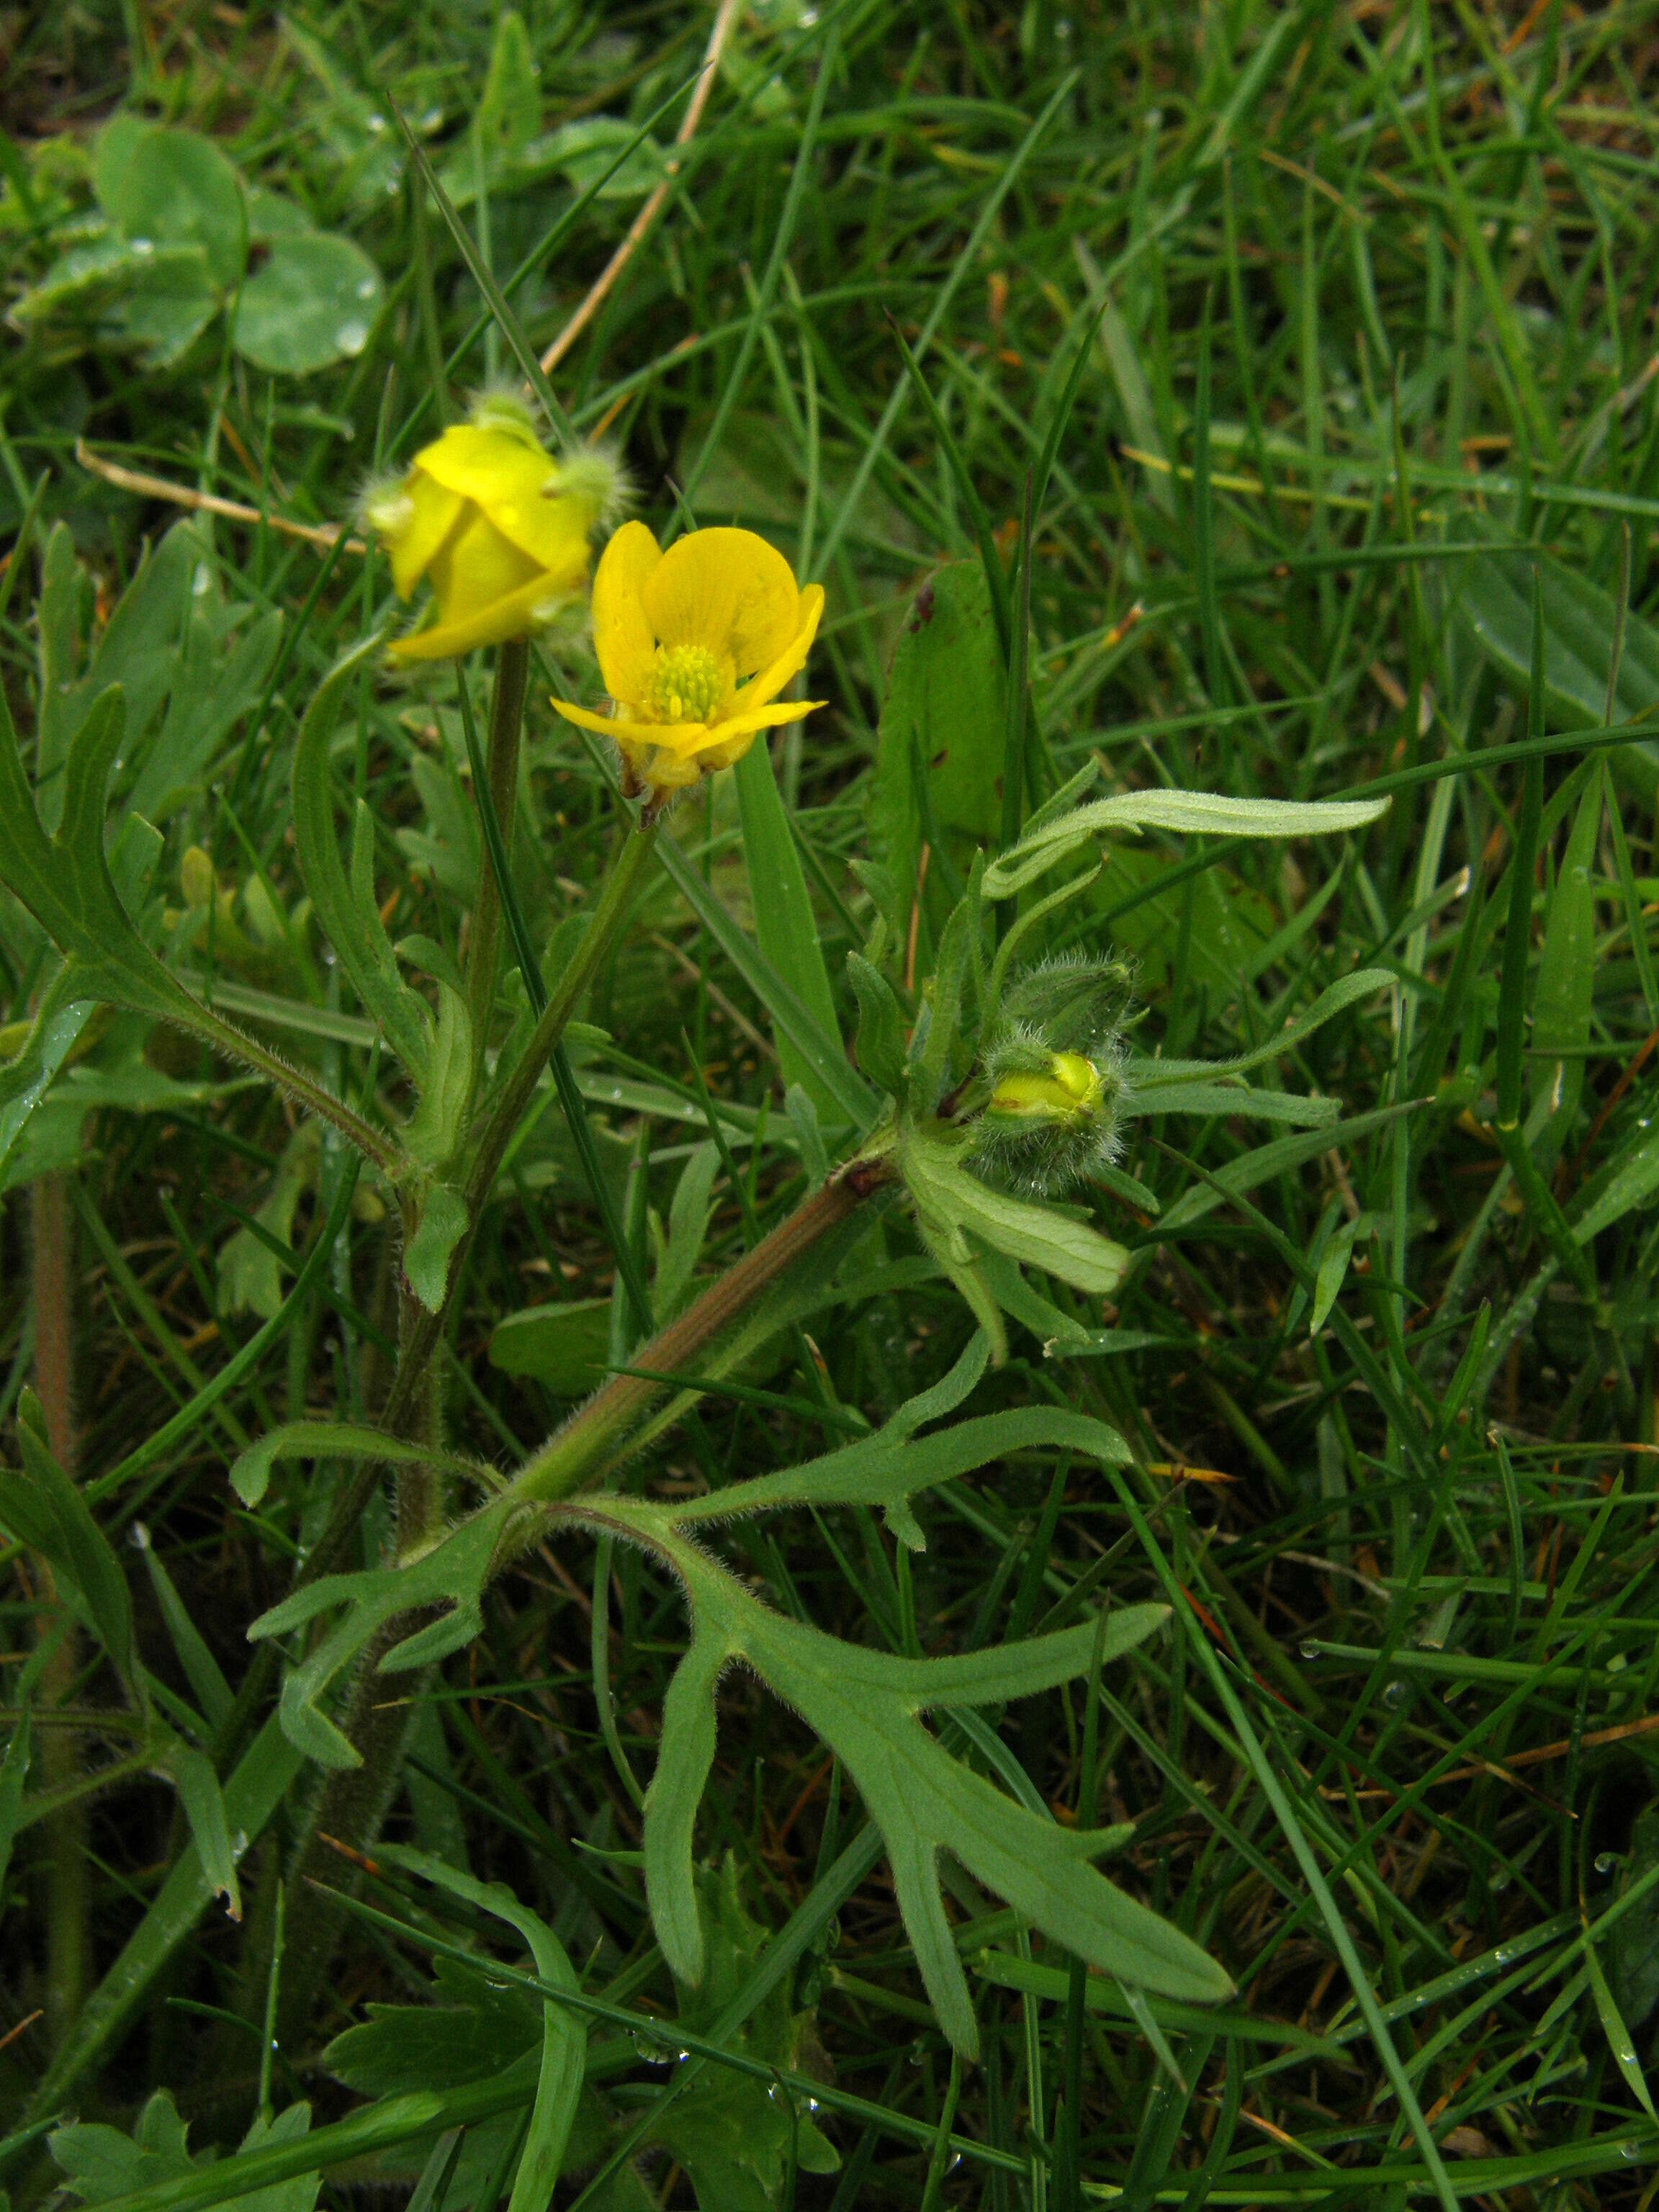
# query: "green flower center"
687,683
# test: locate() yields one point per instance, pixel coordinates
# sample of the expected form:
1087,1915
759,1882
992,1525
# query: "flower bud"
1075,1003
1070,1089
497,527
1051,1118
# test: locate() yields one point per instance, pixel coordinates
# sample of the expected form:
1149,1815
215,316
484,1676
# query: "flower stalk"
570,1460
351,1805
502,773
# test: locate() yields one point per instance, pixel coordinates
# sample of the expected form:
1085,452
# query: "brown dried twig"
324,534
725,16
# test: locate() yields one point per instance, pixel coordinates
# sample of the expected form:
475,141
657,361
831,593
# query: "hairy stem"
501,771
64,1838
351,1805
420,1488
567,1460
236,1044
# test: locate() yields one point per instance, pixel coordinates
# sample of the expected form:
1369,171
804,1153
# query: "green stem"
513,1100
285,1967
236,1044
352,1805
67,1801
564,1080
499,775
419,1350
566,1462
420,1486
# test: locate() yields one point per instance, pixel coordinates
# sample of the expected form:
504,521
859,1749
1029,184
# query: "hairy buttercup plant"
1001,1086
704,1438
941,1083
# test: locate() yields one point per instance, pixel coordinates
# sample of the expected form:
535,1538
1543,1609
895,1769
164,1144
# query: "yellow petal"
791,661
517,483
683,741
766,718
482,463
474,567
698,740
1069,1092
624,731
621,634
552,528
1076,1076
726,589
432,513
516,614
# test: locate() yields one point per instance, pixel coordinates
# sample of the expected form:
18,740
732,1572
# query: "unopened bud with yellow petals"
1051,1119
497,527
1070,1090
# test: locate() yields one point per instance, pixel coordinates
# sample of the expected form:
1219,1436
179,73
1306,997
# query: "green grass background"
1366,291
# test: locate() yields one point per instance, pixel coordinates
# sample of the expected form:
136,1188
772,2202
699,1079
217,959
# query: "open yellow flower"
497,527
695,646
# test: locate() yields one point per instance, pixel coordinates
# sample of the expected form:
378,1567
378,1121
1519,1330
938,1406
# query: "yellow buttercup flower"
694,645
497,527
1071,1090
